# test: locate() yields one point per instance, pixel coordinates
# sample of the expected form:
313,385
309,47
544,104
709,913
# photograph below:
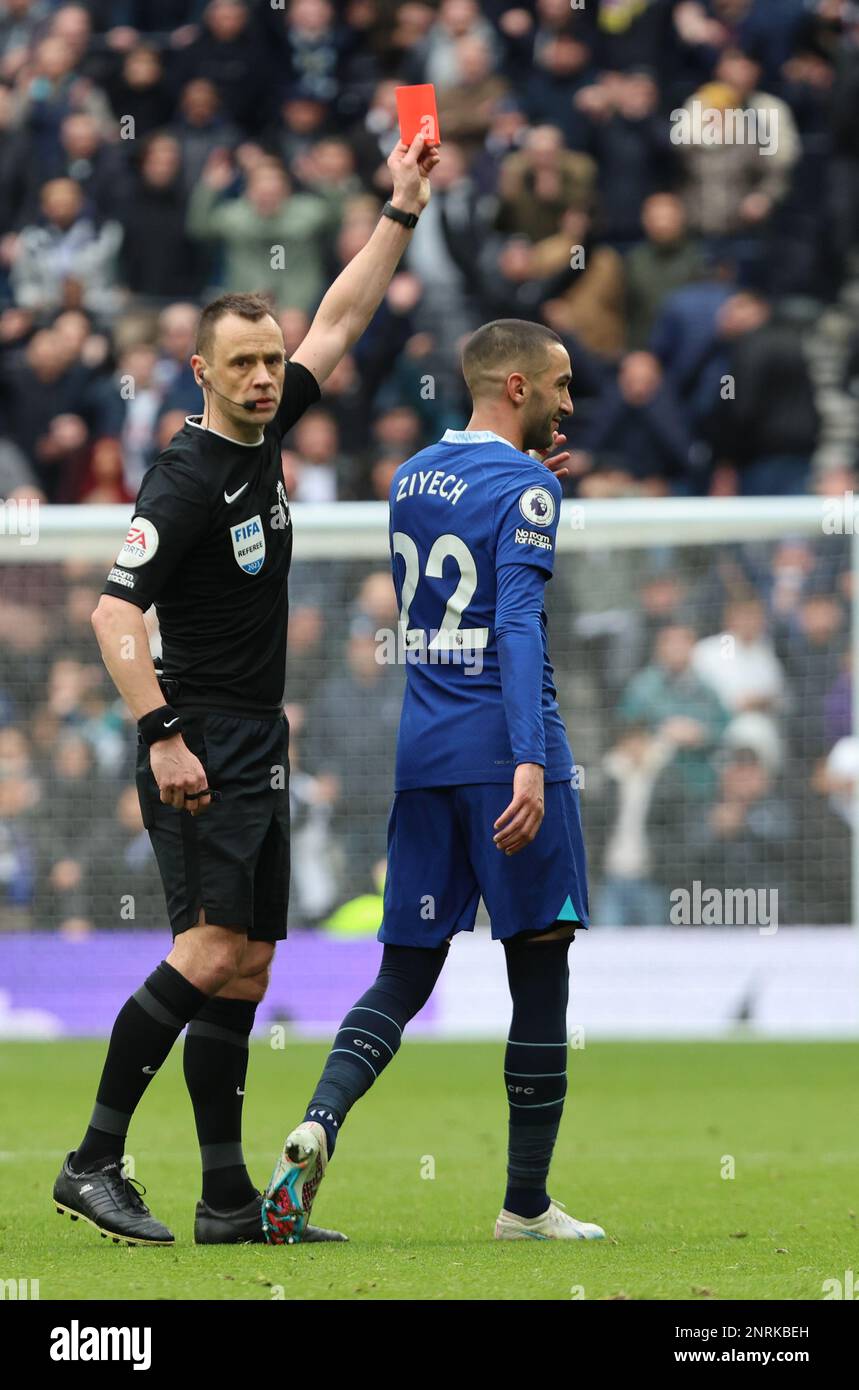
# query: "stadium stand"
152,153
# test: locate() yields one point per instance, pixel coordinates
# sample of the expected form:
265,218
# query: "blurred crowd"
727,755
156,152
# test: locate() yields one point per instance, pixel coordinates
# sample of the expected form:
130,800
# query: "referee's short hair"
247,306
501,347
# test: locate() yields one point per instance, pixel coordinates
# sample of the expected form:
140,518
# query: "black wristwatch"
408,219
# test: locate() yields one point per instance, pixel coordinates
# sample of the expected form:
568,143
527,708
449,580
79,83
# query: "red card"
417,113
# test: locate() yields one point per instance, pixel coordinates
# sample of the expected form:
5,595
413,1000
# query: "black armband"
159,723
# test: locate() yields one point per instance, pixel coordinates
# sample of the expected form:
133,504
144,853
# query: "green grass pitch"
648,1132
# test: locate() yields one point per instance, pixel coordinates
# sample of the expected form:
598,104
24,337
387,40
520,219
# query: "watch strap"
408,219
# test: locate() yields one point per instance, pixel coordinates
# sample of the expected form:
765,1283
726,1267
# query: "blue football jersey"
460,511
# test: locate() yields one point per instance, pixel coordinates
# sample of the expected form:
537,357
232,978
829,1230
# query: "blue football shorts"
442,860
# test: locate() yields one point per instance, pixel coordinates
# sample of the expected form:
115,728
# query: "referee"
210,545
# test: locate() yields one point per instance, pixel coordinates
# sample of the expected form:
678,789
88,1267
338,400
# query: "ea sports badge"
140,544
248,540
537,505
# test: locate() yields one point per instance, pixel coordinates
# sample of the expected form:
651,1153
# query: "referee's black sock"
535,1067
146,1028
216,1064
371,1032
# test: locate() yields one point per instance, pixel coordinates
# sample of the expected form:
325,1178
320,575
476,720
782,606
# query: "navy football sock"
535,1067
371,1032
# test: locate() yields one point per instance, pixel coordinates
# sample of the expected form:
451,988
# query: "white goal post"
359,530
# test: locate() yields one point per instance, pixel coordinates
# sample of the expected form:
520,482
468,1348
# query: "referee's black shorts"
232,859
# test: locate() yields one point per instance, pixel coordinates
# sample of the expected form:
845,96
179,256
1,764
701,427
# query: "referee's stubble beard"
246,362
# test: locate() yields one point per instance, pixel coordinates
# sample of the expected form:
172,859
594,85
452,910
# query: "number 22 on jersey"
450,634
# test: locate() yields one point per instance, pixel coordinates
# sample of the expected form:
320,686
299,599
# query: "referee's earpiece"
246,405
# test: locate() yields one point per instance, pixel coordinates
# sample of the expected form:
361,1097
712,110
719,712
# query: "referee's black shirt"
210,545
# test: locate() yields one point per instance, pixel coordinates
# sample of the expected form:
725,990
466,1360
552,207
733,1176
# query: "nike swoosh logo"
231,496
170,722
150,1071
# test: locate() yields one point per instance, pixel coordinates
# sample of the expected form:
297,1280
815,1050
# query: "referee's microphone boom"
246,405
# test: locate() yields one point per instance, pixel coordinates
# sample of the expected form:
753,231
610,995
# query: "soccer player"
210,545
484,801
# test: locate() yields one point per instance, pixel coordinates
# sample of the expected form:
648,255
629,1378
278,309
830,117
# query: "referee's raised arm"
359,289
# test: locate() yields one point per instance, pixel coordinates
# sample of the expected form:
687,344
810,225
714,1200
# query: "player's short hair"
501,347
247,306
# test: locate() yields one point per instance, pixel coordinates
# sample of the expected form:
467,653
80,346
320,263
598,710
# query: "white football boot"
288,1199
554,1224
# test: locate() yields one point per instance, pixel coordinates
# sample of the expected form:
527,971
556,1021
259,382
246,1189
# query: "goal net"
703,654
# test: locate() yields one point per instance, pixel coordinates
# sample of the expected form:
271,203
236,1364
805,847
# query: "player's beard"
550,433
540,438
